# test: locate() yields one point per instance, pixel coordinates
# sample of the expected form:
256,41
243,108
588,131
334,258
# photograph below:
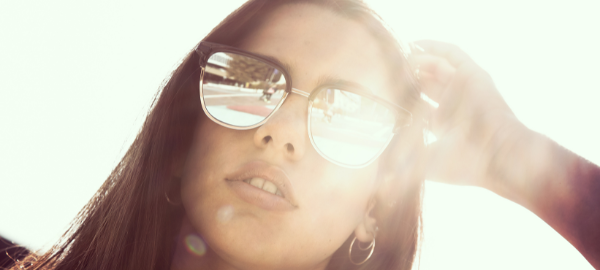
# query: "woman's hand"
472,121
480,142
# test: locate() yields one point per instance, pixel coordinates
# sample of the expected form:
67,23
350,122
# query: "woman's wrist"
520,160
554,183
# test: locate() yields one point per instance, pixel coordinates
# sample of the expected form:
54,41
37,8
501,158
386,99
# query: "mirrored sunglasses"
349,127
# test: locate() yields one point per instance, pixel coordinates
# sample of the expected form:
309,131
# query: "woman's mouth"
264,185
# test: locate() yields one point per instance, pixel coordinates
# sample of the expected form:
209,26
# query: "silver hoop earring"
366,248
169,200
371,246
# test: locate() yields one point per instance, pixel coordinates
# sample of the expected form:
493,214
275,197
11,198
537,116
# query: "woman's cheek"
341,198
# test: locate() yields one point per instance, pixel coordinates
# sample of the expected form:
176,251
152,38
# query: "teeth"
257,182
269,187
264,185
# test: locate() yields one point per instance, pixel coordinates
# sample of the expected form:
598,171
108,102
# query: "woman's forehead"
316,43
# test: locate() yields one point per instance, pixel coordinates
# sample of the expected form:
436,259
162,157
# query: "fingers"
470,112
455,56
451,102
452,79
434,73
438,64
435,65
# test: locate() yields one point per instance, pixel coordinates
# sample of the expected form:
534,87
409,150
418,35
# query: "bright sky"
76,80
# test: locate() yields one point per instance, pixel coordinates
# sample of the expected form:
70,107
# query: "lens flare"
225,213
195,245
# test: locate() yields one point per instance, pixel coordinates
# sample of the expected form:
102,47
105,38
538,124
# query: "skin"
482,143
332,202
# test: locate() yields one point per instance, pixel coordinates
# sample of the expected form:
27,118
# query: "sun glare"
79,77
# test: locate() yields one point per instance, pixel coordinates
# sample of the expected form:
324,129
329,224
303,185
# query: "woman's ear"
177,167
367,228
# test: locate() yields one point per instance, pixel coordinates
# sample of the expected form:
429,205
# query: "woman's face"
322,204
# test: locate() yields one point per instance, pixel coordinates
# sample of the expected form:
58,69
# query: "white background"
77,79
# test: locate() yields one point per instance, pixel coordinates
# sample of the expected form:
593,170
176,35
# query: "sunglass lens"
239,90
348,128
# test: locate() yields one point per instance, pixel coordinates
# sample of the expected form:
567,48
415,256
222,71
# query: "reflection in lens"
240,90
349,128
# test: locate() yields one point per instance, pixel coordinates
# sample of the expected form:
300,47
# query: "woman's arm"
560,187
482,143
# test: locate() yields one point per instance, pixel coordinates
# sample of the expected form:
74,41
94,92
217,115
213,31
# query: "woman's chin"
245,241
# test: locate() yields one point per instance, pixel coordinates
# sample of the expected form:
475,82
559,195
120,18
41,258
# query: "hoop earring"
169,200
172,186
368,247
372,246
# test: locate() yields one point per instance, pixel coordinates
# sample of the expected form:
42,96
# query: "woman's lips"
264,185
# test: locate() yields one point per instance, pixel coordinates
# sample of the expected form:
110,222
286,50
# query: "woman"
183,178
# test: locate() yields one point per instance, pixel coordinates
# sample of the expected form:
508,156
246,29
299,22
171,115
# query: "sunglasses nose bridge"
300,92
285,131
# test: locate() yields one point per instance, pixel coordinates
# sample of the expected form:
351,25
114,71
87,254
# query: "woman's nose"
285,132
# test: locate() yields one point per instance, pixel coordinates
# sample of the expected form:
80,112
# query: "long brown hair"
128,223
